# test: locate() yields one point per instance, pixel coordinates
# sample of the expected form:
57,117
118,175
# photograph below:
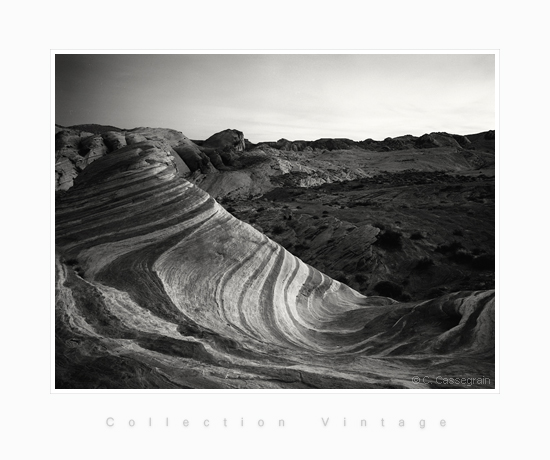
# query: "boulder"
228,138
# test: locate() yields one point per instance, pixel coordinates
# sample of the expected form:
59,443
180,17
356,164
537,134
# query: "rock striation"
157,286
76,149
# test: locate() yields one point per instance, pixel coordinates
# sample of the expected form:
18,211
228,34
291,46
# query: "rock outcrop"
436,140
157,286
76,149
243,162
222,148
229,138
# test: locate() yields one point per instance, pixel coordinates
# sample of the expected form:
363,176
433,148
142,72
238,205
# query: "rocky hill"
247,169
159,286
78,146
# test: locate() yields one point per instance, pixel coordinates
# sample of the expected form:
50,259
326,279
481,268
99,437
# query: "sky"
274,96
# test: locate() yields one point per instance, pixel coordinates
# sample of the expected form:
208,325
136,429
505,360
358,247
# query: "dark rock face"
248,144
462,140
229,138
436,140
332,144
490,135
193,157
223,148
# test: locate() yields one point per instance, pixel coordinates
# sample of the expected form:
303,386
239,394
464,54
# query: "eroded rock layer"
157,286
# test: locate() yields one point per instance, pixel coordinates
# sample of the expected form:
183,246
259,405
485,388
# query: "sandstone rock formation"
76,149
229,138
68,159
308,163
222,148
157,286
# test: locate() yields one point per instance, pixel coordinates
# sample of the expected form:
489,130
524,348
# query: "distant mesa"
91,128
389,144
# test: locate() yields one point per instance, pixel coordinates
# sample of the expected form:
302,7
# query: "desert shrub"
405,297
424,263
260,209
379,225
436,292
278,229
477,251
449,248
389,289
360,278
301,247
316,217
416,236
342,278
252,221
458,232
389,240
231,209
325,212
462,256
484,262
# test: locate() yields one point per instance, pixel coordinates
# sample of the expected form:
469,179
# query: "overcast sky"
269,97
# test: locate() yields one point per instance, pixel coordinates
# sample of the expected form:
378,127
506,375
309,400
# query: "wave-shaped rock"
76,149
157,286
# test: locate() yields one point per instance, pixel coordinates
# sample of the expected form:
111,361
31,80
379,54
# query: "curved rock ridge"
157,286
76,149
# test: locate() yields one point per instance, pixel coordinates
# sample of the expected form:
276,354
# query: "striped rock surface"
157,286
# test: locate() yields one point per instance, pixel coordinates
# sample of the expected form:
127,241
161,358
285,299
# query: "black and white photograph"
275,221
286,230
